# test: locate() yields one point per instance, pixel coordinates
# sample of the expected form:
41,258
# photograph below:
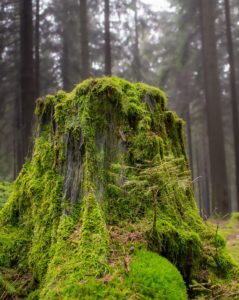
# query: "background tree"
37,47
27,82
136,62
233,86
160,47
220,199
9,86
84,40
108,66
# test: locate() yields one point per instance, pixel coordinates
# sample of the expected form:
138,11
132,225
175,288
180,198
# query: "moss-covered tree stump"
104,209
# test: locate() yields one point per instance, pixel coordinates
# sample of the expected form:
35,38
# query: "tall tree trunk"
27,82
207,204
37,48
108,66
65,60
84,39
189,136
220,197
233,92
136,64
18,140
199,180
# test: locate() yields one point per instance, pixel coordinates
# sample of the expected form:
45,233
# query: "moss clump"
6,288
156,278
94,244
81,251
106,155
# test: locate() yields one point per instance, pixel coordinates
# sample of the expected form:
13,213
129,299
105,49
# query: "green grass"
230,231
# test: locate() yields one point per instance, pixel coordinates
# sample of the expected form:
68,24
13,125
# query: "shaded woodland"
116,118
190,50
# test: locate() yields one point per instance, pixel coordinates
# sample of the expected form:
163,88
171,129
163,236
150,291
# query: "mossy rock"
108,176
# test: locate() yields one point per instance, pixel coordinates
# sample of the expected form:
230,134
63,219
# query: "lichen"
108,176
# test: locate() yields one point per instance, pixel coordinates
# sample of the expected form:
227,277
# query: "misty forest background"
190,50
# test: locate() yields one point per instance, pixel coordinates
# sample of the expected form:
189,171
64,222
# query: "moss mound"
108,176
156,278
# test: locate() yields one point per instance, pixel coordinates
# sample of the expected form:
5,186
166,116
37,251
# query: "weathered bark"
27,84
84,40
220,199
233,92
108,64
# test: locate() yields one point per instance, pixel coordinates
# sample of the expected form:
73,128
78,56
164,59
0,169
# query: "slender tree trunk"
207,205
233,92
220,198
18,140
27,82
108,66
203,181
199,180
84,39
17,122
189,135
37,48
136,64
65,61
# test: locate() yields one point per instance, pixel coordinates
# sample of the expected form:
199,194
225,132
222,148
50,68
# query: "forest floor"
229,229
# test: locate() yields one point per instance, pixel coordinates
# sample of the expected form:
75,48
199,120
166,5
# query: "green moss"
5,189
6,288
181,247
14,245
34,207
107,154
174,128
94,244
81,251
154,277
227,235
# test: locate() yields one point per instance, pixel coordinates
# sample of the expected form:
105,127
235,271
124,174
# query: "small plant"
153,180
